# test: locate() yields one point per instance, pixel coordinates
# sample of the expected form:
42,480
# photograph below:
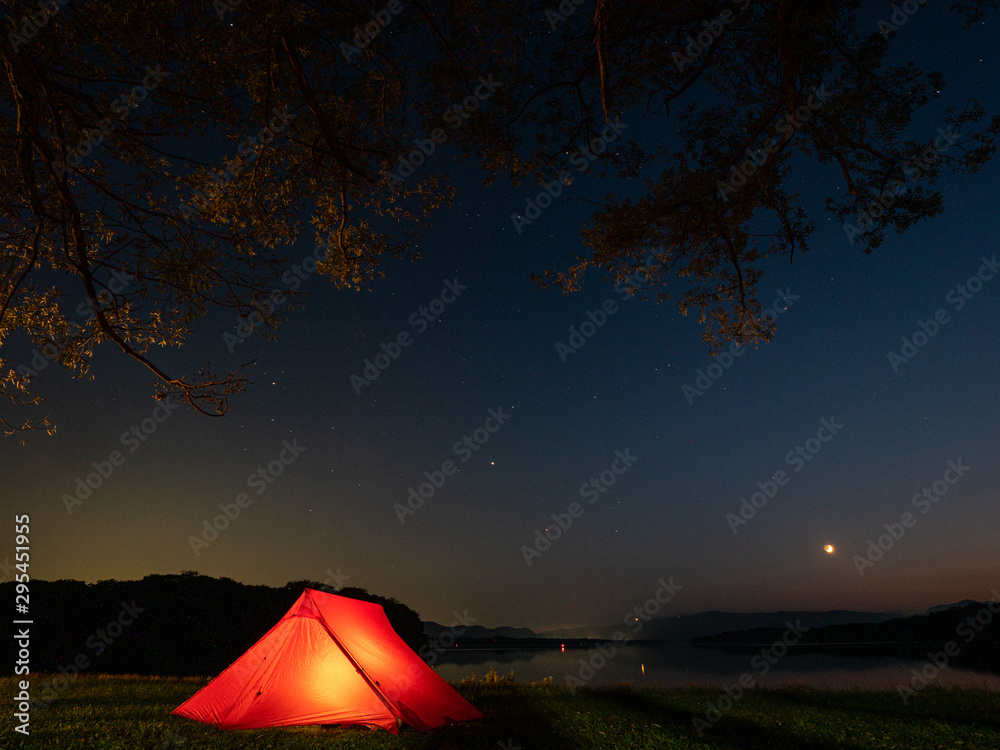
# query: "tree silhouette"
752,86
122,224
186,624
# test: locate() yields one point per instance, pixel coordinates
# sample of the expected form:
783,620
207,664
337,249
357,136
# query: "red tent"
329,660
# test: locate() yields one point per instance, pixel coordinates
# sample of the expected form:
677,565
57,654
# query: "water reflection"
682,665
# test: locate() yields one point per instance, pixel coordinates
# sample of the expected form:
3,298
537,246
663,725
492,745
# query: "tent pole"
360,670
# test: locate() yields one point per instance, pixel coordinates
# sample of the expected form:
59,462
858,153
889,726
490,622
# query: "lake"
680,665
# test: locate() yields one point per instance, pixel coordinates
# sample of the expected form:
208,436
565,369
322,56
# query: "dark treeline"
969,635
185,624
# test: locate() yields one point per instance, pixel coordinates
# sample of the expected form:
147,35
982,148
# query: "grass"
98,712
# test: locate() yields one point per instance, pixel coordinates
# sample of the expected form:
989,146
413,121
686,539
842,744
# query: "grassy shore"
127,713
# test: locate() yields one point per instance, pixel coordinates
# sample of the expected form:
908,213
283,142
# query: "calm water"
683,665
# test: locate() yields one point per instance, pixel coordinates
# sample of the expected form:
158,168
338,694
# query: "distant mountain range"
434,631
714,624
685,627
682,628
943,607
964,634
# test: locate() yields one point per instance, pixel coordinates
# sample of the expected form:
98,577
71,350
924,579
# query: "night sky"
331,509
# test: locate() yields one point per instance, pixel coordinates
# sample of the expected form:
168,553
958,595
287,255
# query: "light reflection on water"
671,665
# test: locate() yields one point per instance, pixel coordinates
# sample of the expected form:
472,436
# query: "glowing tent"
329,660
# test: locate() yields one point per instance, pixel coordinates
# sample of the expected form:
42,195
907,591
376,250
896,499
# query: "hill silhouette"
685,627
185,624
973,629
